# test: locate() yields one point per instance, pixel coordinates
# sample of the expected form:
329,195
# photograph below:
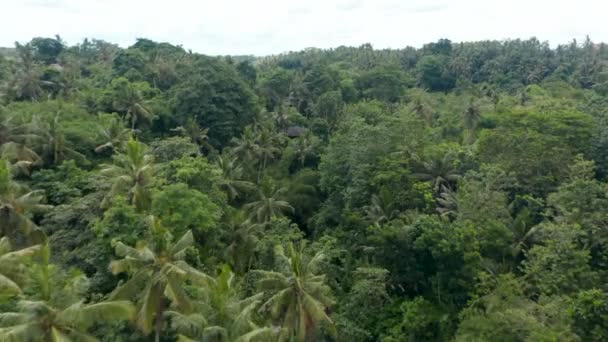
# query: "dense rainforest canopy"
455,192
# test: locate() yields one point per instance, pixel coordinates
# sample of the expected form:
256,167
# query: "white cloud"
273,26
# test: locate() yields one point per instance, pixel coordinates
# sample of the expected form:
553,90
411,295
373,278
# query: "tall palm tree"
246,147
222,315
267,147
132,174
196,134
381,208
300,297
268,205
14,137
114,135
158,274
470,119
56,313
423,111
52,143
447,202
242,242
305,147
12,268
130,102
27,83
17,203
439,171
232,181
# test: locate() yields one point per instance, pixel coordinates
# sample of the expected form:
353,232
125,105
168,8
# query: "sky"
264,27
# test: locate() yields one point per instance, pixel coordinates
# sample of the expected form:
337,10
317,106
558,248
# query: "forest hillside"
453,192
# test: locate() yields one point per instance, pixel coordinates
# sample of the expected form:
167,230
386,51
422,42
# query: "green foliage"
449,192
181,209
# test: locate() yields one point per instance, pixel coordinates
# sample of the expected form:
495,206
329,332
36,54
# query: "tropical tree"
439,171
268,204
222,315
27,83
305,146
267,147
232,181
12,267
158,276
242,242
14,137
246,147
52,143
299,296
114,135
196,134
17,203
56,312
129,100
470,120
131,174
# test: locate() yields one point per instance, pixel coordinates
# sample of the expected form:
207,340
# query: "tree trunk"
158,320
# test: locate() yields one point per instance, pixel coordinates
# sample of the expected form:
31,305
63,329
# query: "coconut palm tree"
222,315
232,181
381,208
299,296
268,205
439,171
56,312
304,146
447,202
158,274
267,148
12,268
14,137
131,174
246,147
242,242
196,134
114,135
51,141
423,111
470,119
17,203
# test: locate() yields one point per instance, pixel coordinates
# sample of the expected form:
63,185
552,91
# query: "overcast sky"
264,27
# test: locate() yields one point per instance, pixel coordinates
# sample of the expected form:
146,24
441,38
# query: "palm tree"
447,202
12,269
196,134
381,208
423,111
131,103
305,147
470,119
246,147
56,313
158,274
114,135
132,175
17,202
439,171
232,181
27,83
222,315
268,205
52,143
267,149
13,139
242,242
300,297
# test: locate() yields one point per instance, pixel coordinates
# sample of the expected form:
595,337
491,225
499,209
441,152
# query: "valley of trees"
454,192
